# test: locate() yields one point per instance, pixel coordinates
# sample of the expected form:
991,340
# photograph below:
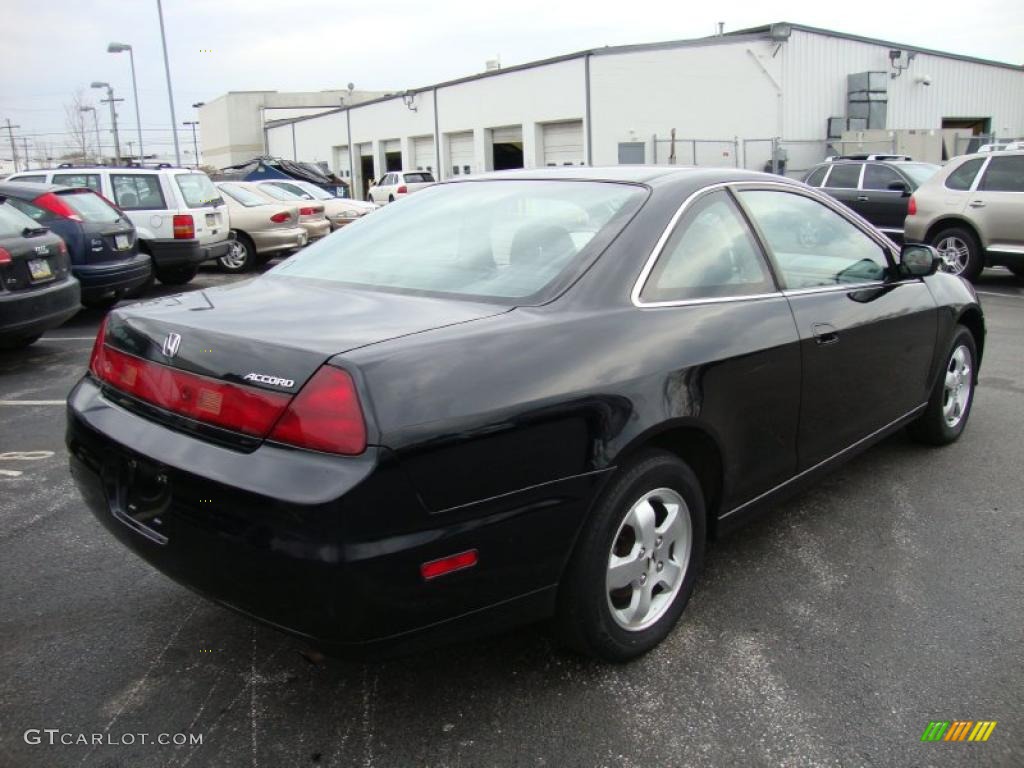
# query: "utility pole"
14,147
131,152
195,143
24,146
113,116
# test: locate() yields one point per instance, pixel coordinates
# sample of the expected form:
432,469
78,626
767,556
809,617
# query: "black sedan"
101,240
37,290
531,395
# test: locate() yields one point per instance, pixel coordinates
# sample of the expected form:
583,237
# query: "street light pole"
195,143
113,116
118,48
170,90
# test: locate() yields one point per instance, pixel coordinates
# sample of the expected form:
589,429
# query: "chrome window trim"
813,193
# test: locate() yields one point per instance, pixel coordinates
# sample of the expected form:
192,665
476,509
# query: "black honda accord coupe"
528,395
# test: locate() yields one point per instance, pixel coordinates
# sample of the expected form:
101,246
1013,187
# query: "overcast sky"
51,48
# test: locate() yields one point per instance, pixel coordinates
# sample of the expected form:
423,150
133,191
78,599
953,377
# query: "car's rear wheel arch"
953,221
696,447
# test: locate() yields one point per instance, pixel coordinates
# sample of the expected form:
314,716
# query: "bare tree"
75,122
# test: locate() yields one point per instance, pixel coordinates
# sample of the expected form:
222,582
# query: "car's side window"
711,253
879,177
90,180
844,176
138,192
963,177
816,176
811,244
1004,174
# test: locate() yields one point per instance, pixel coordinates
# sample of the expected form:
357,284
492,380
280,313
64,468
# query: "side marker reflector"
449,564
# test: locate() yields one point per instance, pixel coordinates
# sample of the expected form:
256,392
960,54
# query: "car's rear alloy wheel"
636,562
960,252
648,558
946,415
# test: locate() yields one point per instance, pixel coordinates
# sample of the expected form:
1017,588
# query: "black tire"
1018,271
176,275
247,253
931,427
975,260
19,343
391,198
104,303
584,618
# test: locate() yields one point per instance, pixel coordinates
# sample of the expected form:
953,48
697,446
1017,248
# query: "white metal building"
724,97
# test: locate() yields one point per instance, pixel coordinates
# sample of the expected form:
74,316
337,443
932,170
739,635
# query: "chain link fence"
709,153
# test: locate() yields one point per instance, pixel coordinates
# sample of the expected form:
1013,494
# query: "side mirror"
918,260
898,186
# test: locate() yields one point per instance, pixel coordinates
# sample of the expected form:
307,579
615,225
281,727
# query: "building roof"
752,33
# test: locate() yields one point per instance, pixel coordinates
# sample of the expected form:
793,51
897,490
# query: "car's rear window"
419,178
13,221
197,189
91,206
242,195
491,240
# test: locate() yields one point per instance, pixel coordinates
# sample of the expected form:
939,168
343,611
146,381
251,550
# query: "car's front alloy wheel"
949,406
636,562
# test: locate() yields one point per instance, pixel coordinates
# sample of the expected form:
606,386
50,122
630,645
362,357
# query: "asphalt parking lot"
829,633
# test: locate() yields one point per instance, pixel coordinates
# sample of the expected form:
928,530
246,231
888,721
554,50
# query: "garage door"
460,153
423,153
563,143
511,134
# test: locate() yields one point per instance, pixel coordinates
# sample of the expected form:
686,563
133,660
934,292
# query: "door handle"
824,333
862,198
977,203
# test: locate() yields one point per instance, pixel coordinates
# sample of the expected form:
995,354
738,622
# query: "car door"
879,203
866,338
997,203
843,183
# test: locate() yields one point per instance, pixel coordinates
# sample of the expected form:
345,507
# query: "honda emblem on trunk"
171,344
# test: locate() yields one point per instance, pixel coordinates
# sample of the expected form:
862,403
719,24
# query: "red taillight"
184,227
62,247
402,190
436,568
307,211
280,218
912,206
97,349
55,205
231,406
325,415
5,256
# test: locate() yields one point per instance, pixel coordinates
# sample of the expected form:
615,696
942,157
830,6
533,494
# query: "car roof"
15,188
636,174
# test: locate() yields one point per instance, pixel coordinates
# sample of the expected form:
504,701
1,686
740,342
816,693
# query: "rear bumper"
271,240
35,311
325,547
121,276
316,228
180,253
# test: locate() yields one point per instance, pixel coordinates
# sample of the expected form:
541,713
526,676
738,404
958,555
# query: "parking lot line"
33,402
996,293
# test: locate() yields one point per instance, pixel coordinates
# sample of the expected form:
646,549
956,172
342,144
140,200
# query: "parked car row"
120,229
971,209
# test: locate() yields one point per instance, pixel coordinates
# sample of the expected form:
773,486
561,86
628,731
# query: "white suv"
397,184
179,215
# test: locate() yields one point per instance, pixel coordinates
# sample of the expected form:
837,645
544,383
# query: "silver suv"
972,211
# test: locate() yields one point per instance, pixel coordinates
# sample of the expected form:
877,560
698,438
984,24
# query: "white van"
179,215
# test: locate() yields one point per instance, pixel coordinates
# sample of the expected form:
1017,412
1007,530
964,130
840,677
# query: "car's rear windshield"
13,221
919,172
489,240
91,206
242,195
278,193
197,189
419,178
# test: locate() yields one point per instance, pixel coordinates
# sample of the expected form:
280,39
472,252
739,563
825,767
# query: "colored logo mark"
958,730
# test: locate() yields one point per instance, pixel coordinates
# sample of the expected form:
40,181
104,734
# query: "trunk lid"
274,332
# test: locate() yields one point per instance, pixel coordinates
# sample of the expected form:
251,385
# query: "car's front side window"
1004,174
879,177
844,176
90,180
962,178
812,245
815,177
711,254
